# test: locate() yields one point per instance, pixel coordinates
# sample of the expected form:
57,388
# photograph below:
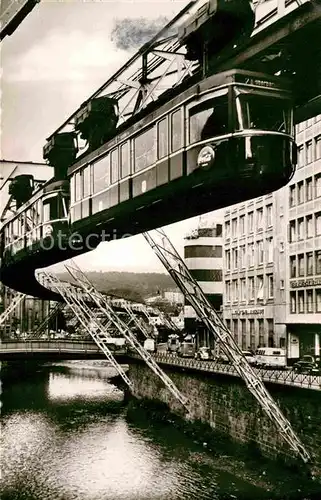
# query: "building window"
318,224
270,286
309,301
227,229
309,156
301,228
301,161
243,289
242,224
235,258
228,291
292,302
269,215
235,331
235,291
176,130
261,332
252,333
270,329
318,300
251,288
243,331
260,253
308,189
259,288
292,199
318,262
228,259
259,219
301,301
251,222
251,254
242,256
301,264
318,147
309,263
292,231
228,324
317,185
300,193
269,243
281,284
309,223
234,228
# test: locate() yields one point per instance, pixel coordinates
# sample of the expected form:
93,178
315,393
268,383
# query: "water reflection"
69,387
79,446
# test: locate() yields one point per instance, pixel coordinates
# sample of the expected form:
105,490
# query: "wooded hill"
132,286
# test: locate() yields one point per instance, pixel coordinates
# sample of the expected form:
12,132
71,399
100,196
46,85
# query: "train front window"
208,119
263,111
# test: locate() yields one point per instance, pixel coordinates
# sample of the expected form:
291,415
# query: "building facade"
203,256
272,259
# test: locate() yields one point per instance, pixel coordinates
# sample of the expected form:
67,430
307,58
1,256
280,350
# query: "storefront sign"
248,312
305,282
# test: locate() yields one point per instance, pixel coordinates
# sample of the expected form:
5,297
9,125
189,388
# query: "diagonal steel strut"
88,321
6,313
124,330
176,267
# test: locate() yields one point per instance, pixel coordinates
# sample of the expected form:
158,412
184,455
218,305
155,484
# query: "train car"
226,139
36,236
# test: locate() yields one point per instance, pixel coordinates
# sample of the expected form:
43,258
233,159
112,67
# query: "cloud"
133,33
73,56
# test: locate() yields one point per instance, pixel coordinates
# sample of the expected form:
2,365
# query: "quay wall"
226,405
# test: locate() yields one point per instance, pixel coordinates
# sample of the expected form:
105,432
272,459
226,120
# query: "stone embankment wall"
228,407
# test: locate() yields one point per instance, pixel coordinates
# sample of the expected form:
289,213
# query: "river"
66,435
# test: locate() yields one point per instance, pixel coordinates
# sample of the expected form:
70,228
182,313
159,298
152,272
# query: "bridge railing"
284,377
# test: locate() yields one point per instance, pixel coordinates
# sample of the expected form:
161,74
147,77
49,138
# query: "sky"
60,54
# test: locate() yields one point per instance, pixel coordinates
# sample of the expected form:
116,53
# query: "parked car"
203,353
307,364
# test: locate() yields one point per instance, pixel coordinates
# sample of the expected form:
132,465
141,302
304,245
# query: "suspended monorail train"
226,139
210,141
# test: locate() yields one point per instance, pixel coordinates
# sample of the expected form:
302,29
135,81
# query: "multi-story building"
203,258
272,259
303,270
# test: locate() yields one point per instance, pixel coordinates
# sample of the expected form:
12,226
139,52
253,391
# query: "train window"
176,130
101,174
29,220
162,138
208,119
124,160
86,182
145,151
78,186
114,166
50,208
72,189
263,111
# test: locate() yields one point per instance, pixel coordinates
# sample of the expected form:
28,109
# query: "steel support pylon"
88,321
6,313
102,303
58,307
176,267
